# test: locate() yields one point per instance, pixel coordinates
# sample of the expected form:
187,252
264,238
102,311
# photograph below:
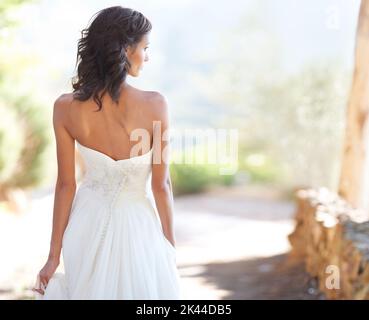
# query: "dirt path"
272,278
237,246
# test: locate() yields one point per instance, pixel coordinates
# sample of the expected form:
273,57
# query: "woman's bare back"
109,131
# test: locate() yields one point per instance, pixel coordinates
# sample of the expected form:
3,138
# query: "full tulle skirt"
114,251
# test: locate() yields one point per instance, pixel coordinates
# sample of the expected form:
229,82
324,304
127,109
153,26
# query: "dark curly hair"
101,58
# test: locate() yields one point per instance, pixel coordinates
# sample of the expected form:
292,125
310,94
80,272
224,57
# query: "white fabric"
113,245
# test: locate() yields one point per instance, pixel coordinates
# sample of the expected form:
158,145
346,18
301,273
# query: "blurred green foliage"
251,167
6,7
301,121
11,142
193,178
24,123
293,120
29,142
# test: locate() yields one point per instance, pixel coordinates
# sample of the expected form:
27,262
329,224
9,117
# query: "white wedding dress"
113,245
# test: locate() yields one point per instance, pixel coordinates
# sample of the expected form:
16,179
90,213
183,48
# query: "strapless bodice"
107,176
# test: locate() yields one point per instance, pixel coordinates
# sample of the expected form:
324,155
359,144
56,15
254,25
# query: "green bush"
38,136
24,136
187,178
260,167
196,177
11,142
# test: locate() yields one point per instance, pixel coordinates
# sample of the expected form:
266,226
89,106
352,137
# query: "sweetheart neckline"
119,160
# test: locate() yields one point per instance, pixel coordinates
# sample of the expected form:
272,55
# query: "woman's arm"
161,183
64,190
65,184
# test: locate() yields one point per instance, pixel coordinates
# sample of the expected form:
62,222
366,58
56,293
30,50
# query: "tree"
353,183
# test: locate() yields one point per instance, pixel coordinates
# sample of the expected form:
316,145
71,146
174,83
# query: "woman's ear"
127,49
130,49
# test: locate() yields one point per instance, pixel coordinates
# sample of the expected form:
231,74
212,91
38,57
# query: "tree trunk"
353,180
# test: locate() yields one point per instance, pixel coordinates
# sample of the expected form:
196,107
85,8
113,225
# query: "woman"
115,232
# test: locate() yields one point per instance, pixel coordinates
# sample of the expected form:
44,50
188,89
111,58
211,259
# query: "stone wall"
332,238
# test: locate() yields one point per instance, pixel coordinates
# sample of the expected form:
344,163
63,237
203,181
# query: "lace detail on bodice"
102,186
106,176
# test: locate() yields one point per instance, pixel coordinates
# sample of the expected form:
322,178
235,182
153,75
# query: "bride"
115,230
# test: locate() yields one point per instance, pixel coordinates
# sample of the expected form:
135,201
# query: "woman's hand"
46,273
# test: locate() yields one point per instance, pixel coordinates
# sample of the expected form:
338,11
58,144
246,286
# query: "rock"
332,238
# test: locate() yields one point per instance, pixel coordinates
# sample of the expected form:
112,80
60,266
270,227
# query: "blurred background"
279,72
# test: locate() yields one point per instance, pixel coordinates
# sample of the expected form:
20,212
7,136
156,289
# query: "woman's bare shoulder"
151,97
153,101
159,104
62,106
63,100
